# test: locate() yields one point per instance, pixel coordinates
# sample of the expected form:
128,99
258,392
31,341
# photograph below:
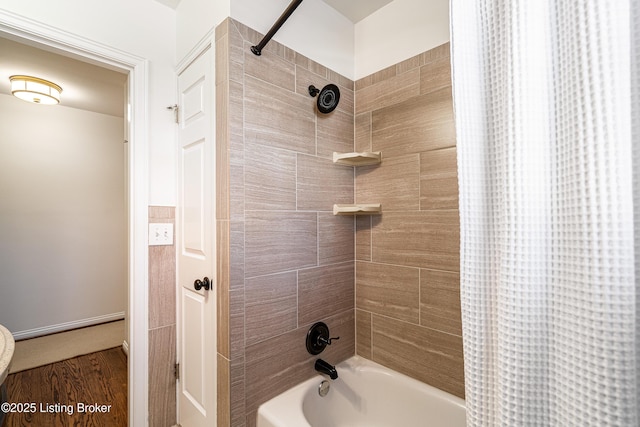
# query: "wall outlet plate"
160,234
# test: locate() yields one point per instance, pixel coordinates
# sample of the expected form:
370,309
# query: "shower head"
328,97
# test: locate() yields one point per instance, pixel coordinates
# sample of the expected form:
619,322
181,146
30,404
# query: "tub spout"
325,368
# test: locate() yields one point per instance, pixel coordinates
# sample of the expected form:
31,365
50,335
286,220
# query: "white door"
196,257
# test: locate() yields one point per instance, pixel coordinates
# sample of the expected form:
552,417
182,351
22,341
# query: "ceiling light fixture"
33,89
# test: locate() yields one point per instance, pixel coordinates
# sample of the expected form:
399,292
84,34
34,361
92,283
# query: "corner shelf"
358,209
357,159
365,158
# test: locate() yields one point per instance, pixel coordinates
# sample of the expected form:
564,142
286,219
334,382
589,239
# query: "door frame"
25,30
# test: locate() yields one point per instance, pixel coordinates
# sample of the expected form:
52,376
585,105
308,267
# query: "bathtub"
365,394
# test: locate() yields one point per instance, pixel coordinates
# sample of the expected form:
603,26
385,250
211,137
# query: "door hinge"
177,371
175,109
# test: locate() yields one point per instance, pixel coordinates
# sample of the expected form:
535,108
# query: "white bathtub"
365,394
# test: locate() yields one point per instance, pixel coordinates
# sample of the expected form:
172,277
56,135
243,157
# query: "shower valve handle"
318,338
326,341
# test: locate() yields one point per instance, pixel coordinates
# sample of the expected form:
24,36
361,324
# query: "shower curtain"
546,106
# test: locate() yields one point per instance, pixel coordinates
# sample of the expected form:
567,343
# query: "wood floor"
86,391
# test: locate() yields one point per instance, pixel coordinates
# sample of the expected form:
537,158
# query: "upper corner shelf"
357,159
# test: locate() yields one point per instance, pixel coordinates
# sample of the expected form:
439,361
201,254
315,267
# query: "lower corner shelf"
358,209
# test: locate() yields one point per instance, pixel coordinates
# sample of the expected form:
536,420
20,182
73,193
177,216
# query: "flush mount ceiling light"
33,89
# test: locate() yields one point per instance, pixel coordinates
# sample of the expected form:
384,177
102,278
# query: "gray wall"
62,217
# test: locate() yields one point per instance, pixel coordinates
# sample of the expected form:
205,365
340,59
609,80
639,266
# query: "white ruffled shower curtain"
546,106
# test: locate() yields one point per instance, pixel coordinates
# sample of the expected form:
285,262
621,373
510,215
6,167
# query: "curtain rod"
257,50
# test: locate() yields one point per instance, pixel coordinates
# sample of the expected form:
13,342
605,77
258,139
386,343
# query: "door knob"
204,283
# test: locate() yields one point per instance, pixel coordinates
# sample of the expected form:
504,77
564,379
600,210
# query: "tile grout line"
419,296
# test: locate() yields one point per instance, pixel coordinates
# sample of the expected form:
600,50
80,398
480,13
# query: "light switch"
160,234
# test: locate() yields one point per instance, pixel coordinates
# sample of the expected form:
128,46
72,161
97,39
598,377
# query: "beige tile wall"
284,260
162,325
407,259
